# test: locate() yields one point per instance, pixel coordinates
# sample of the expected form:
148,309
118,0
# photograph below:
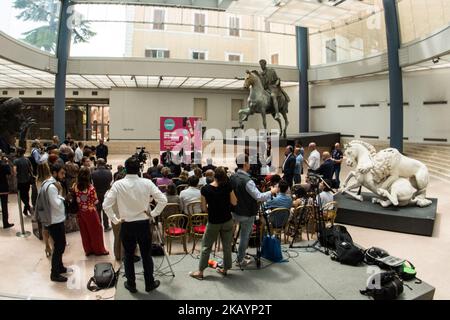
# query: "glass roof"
13,75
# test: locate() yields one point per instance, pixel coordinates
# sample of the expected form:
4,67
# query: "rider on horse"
271,83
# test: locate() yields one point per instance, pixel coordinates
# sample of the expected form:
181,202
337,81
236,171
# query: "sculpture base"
411,219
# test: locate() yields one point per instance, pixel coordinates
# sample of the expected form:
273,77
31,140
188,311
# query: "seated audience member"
190,195
201,180
192,171
209,177
326,194
183,178
326,169
153,168
165,180
282,200
119,173
157,173
209,166
171,194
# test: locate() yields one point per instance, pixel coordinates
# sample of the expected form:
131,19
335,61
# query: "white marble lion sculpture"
394,178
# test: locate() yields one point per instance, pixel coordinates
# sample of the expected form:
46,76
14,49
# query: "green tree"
47,11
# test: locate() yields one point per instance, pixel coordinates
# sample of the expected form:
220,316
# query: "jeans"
132,233
246,228
100,212
58,233
297,178
337,171
226,235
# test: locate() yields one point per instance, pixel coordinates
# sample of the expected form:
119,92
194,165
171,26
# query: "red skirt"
91,231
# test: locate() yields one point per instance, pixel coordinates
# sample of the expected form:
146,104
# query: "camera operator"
326,194
246,209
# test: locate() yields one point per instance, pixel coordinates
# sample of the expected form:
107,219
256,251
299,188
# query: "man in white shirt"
190,195
314,157
79,153
131,195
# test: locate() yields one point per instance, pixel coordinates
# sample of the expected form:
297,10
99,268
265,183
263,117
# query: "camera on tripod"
141,155
314,180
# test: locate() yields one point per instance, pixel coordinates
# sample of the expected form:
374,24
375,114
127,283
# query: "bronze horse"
259,101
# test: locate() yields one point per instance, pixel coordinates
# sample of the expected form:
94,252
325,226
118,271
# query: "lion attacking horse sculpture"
259,101
395,179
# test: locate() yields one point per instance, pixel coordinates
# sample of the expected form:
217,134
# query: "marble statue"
394,178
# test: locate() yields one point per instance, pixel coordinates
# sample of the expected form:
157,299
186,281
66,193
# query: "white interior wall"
420,121
135,113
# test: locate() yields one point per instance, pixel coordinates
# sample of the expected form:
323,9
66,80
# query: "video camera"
141,154
314,179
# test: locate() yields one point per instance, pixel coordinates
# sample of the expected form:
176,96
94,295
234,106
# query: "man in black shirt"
5,171
23,170
102,151
337,157
326,169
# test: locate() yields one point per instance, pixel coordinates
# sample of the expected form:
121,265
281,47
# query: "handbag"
104,277
72,207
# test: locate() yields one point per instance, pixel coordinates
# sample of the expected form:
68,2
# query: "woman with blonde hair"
44,173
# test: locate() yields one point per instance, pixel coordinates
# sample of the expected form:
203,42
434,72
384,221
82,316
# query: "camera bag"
390,286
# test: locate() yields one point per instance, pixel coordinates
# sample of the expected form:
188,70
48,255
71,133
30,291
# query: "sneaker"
129,287
58,278
243,263
155,285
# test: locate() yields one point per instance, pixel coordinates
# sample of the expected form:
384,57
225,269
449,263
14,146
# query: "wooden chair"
278,220
330,212
302,217
174,228
181,187
194,207
197,227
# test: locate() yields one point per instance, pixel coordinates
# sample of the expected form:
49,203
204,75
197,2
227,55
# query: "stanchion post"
23,233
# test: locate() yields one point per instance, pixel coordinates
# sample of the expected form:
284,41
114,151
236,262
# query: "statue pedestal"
410,219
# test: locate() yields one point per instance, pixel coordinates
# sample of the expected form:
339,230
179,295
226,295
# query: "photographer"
246,209
326,194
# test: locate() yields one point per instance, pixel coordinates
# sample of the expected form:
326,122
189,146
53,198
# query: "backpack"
104,277
333,233
389,287
348,253
42,208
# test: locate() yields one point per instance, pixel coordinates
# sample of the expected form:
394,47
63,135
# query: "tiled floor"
24,269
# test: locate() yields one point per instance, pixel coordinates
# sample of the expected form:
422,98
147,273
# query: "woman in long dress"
90,226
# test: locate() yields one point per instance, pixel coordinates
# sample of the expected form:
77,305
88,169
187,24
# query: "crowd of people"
68,177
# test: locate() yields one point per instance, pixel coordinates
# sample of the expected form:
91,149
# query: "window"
199,22
199,55
274,58
157,53
200,108
234,57
234,26
330,47
236,105
158,19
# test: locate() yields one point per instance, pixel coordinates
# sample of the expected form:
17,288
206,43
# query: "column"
303,65
62,54
395,74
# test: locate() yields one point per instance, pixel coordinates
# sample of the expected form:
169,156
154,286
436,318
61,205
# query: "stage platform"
304,276
411,219
322,139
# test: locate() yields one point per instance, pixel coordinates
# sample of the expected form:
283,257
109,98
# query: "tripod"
318,216
155,225
256,256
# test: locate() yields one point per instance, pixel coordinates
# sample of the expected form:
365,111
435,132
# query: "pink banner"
181,133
